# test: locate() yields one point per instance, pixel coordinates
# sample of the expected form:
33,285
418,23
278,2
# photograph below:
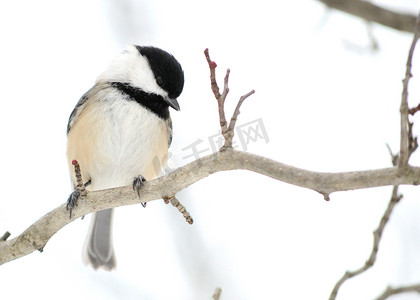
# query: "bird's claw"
137,184
72,200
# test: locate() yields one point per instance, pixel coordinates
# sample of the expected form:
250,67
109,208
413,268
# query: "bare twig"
79,180
215,88
212,66
374,45
412,140
217,293
221,103
175,203
374,13
236,113
412,111
399,290
404,126
227,130
5,236
377,234
394,157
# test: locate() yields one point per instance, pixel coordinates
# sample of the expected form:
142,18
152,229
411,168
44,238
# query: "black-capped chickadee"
119,128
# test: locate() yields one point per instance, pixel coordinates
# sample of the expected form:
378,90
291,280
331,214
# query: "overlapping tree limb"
408,144
374,13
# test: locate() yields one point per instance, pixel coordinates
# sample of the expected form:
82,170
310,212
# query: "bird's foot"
137,184
74,197
72,200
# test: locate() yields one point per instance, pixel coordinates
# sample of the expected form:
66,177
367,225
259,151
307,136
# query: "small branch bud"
5,236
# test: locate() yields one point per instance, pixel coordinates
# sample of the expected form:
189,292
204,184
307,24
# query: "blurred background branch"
374,13
390,291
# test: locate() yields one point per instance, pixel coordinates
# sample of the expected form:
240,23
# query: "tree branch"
38,234
374,13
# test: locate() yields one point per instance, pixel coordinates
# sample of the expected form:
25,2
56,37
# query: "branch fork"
227,129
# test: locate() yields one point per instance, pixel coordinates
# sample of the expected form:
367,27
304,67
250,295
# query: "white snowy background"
328,102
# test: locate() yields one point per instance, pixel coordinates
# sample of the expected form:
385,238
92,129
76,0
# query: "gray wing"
169,123
77,110
81,104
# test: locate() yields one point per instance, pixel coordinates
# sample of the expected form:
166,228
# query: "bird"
117,132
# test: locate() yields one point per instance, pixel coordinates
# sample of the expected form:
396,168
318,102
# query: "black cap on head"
167,70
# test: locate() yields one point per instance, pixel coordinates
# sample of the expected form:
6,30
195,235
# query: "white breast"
115,140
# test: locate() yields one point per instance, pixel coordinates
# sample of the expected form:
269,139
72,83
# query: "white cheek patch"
131,67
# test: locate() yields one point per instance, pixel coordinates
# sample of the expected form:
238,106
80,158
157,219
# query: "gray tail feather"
98,251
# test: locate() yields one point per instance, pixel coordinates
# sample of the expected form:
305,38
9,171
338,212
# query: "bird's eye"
160,81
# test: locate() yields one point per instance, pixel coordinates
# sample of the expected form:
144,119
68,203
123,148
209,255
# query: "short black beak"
173,103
